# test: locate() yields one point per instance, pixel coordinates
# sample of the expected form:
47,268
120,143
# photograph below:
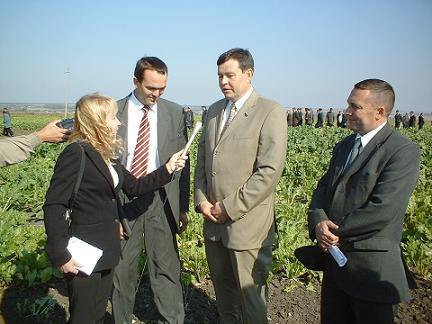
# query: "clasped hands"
215,213
325,237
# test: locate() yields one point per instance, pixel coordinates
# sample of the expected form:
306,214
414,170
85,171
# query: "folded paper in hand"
84,254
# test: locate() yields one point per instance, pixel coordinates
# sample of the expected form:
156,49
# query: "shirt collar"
239,103
366,138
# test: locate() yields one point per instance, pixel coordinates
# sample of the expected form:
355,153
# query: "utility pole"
67,84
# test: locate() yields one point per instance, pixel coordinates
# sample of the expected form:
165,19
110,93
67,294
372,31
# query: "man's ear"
249,73
381,113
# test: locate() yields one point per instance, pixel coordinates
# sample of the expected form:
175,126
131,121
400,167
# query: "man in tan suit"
240,160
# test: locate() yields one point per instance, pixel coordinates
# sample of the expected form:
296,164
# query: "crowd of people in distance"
408,121
298,117
306,116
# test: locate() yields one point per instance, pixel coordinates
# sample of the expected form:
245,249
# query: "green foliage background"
23,187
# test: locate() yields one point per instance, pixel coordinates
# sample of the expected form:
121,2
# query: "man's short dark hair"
383,91
149,63
242,56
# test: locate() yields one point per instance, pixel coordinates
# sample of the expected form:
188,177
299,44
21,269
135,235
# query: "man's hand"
70,267
205,208
51,133
184,221
324,235
219,212
121,232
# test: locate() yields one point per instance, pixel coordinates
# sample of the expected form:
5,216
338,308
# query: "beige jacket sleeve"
17,149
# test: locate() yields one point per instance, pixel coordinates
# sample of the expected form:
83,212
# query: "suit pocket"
375,244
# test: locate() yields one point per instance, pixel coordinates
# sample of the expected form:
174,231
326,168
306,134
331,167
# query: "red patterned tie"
141,155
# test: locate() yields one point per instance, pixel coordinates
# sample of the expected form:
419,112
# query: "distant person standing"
308,116
339,119
7,123
405,120
344,119
189,117
330,118
289,118
412,120
294,117
299,117
421,121
398,119
320,118
203,113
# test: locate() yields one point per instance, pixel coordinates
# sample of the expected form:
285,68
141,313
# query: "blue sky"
307,53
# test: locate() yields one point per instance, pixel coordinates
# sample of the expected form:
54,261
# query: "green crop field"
23,187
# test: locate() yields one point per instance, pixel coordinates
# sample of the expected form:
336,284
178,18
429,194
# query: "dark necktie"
141,154
354,153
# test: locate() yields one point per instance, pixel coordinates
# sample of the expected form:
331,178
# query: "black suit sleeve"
150,182
56,202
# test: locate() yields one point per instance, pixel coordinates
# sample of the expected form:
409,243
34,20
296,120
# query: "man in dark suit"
299,117
412,120
359,205
160,214
289,118
240,159
320,118
295,118
398,119
330,118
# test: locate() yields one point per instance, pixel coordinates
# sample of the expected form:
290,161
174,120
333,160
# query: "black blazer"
95,209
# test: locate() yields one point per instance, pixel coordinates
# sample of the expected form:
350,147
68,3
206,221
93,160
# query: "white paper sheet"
85,254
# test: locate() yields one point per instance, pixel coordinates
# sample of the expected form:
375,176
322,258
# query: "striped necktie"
141,154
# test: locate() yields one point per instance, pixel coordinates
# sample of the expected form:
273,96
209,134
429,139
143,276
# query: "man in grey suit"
157,216
241,156
359,205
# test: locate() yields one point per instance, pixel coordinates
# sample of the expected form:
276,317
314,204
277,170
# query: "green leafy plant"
39,310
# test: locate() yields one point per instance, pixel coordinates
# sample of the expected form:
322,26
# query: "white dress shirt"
239,104
135,114
366,138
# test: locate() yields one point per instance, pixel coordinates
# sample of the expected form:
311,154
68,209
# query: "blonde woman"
95,210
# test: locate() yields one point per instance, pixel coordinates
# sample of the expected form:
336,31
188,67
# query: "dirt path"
290,302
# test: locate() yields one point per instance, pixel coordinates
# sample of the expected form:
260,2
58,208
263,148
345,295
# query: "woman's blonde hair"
91,114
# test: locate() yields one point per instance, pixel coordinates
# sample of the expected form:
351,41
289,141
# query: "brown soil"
290,302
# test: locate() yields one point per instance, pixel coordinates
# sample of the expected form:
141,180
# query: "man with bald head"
359,205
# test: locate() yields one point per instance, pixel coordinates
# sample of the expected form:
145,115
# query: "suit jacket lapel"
242,115
219,119
122,133
369,150
162,125
341,158
97,160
